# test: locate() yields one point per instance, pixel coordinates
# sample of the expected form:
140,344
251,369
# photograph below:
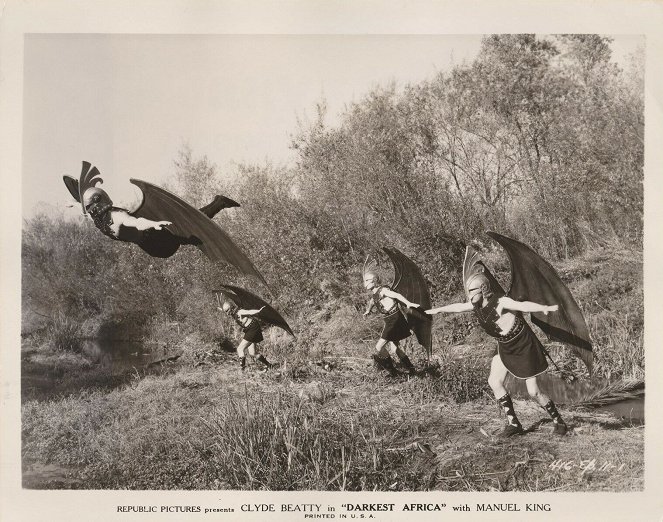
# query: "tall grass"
63,334
150,438
284,443
619,347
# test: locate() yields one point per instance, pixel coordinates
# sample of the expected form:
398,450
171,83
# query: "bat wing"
192,227
410,282
534,279
249,301
72,186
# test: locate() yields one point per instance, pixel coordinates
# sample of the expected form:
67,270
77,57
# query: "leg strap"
506,404
552,411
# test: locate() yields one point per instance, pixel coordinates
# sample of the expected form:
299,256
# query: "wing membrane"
247,300
410,282
192,226
534,279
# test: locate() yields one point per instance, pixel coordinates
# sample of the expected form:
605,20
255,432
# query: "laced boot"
513,426
560,427
405,361
261,359
242,363
386,364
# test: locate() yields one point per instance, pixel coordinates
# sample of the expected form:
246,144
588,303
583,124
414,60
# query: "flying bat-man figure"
162,223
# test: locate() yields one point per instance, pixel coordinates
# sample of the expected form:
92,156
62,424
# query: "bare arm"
451,308
242,312
395,295
127,220
369,307
506,303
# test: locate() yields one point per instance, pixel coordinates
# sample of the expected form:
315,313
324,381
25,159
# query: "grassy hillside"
326,419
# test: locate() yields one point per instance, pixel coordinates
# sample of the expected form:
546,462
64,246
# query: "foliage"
539,138
63,335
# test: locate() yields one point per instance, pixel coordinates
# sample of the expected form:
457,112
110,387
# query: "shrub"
63,334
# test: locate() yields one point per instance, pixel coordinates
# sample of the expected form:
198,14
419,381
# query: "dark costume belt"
516,329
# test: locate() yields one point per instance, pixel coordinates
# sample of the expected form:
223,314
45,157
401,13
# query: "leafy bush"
520,141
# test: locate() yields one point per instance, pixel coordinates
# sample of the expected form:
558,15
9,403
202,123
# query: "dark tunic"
519,349
395,326
157,243
251,328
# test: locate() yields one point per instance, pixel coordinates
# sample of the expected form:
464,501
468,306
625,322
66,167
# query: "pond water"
120,356
562,392
631,411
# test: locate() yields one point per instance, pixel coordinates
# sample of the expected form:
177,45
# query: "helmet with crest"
479,282
370,274
228,307
94,200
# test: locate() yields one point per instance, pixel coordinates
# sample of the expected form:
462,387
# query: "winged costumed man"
536,288
401,304
146,226
247,309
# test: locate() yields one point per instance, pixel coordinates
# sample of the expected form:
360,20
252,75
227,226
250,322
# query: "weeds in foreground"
456,380
63,334
284,443
276,442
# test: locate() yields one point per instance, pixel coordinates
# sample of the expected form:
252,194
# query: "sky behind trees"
128,103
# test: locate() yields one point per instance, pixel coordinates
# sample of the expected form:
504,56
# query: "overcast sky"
127,103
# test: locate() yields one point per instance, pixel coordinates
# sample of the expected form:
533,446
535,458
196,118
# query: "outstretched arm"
506,303
369,307
451,308
399,297
127,220
242,312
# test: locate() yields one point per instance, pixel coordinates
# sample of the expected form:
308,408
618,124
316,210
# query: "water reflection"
120,356
557,388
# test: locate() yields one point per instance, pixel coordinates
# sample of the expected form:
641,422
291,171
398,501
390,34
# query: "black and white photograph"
400,271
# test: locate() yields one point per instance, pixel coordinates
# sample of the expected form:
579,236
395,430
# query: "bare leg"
241,349
241,352
497,377
535,392
544,401
498,373
380,348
